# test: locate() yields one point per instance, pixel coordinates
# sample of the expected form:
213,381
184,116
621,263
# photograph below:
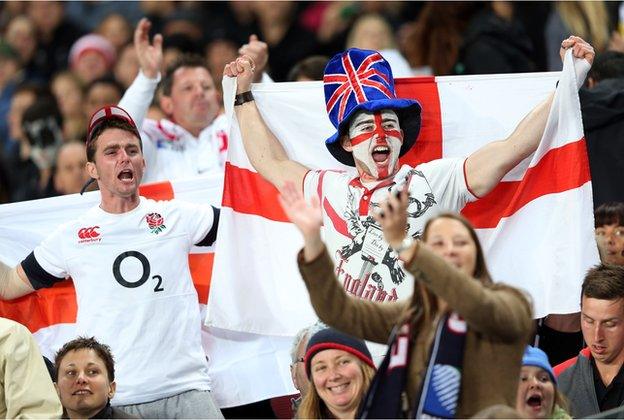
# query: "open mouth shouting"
126,176
535,401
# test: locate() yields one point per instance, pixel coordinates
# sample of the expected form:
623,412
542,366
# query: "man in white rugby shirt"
193,139
128,258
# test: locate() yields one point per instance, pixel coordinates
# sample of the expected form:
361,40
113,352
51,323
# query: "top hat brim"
408,111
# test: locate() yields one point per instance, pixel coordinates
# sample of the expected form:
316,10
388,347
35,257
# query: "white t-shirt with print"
135,293
365,264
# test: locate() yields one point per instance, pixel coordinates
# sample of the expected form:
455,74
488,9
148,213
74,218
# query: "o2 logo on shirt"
145,273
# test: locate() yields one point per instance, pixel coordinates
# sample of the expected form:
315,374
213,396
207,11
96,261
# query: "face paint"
376,139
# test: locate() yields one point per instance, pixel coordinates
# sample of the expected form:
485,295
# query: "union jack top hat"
362,80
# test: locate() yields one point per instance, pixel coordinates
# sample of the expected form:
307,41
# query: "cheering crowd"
88,104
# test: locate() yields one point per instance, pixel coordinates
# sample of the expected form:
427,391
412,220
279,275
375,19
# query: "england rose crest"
155,222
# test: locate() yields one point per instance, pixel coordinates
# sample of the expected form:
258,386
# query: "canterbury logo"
89,232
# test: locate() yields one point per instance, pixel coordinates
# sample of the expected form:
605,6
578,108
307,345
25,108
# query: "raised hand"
243,69
307,217
150,55
258,51
580,48
392,216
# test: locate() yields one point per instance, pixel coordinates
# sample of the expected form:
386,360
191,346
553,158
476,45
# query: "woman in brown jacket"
456,345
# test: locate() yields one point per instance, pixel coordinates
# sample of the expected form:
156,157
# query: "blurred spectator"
602,105
89,14
116,28
10,76
92,57
373,32
21,34
42,125
587,19
593,381
55,36
101,92
25,178
176,46
310,68
288,43
431,44
496,42
26,390
70,173
9,10
538,396
220,52
297,362
85,380
127,66
335,360
70,97
609,223
188,21
193,138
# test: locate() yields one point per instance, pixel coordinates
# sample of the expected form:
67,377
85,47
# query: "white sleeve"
311,184
49,253
198,220
138,97
447,180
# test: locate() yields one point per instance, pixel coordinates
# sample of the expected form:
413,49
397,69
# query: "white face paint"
376,139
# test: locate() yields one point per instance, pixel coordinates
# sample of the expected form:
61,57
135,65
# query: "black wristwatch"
241,98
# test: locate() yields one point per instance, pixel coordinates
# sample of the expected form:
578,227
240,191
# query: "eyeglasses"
299,360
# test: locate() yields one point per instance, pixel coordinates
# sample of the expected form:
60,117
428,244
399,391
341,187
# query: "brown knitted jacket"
499,323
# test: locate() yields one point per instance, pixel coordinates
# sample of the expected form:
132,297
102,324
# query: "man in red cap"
128,259
373,129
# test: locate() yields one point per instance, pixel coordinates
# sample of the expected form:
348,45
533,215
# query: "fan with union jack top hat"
357,80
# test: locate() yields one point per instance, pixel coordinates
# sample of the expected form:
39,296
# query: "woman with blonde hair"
340,369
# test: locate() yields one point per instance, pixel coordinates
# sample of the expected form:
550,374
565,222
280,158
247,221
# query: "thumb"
253,37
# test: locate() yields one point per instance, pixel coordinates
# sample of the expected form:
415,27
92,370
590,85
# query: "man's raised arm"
13,282
264,150
488,165
139,95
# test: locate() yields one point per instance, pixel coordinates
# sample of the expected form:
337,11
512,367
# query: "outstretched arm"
13,282
139,95
264,150
488,165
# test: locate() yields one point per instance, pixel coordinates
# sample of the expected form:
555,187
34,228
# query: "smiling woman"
340,369
85,380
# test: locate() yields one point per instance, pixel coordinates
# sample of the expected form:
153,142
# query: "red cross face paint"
376,140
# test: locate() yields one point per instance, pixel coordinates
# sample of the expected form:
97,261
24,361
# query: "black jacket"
493,45
603,119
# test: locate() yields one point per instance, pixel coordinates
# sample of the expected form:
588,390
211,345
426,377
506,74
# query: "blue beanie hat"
330,338
536,357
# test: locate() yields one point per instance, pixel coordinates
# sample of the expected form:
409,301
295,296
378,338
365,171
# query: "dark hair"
104,125
106,80
607,65
312,67
90,343
604,281
609,214
42,122
481,271
185,60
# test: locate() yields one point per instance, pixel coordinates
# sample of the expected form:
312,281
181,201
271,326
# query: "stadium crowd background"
51,66
41,59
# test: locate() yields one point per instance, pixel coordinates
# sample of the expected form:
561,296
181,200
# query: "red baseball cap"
107,113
